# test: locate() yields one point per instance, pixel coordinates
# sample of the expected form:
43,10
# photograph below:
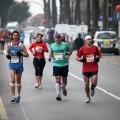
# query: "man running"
89,54
15,53
60,53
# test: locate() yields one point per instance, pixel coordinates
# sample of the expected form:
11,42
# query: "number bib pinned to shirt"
90,58
37,49
14,59
59,56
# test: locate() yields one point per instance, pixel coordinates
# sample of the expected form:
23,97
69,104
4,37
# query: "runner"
60,53
15,53
37,49
90,55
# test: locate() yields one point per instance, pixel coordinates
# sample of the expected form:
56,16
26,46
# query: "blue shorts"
60,71
90,74
18,69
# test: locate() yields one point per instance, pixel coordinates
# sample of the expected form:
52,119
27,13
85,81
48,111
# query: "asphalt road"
41,104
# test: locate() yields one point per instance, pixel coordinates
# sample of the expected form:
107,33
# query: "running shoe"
88,100
64,91
13,100
17,99
58,98
37,85
92,92
40,86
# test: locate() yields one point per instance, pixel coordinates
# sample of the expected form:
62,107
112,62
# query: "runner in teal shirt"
60,53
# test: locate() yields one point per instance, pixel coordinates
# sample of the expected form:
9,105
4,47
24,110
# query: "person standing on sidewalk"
60,53
90,55
15,53
38,48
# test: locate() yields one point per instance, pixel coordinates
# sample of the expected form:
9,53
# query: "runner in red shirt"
90,55
37,49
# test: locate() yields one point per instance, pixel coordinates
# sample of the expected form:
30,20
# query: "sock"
57,86
64,85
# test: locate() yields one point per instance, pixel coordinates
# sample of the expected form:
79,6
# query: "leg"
35,63
86,81
18,80
12,82
58,88
12,85
93,84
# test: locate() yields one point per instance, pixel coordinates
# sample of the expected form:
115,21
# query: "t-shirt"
34,47
59,52
90,65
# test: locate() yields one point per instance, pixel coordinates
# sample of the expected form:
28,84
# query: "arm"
8,49
25,52
45,48
30,48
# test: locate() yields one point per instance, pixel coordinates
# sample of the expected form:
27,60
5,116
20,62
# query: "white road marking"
3,114
103,90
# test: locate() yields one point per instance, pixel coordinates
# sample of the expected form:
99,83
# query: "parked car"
107,41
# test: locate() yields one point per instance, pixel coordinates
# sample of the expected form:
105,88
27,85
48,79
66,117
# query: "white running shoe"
37,85
40,86
88,100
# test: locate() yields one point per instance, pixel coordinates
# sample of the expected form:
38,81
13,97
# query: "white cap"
88,37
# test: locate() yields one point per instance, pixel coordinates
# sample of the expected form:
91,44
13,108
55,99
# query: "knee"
12,84
86,85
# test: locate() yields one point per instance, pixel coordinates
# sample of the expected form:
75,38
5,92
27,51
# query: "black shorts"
60,71
90,74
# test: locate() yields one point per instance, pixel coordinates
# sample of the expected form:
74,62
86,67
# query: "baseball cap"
88,37
58,36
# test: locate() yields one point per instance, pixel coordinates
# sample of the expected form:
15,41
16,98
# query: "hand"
82,60
34,53
19,53
8,56
49,59
97,59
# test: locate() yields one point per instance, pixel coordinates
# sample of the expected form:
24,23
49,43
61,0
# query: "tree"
77,13
18,12
4,6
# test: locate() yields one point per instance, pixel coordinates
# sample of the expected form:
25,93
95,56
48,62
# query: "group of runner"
59,54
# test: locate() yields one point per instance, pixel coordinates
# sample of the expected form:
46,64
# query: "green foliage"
4,6
19,12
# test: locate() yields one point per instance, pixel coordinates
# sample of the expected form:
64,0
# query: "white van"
11,26
61,28
71,32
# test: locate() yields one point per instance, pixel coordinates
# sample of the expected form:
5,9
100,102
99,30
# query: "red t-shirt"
89,54
34,47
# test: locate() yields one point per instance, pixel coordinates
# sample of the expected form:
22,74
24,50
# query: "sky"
35,8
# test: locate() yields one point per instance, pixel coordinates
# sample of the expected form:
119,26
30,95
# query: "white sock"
58,89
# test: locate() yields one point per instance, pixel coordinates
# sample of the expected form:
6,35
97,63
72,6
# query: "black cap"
58,36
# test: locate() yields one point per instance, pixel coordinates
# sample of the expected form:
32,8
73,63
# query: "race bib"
59,56
14,59
37,49
90,58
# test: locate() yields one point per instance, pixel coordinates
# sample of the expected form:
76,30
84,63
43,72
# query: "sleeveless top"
15,59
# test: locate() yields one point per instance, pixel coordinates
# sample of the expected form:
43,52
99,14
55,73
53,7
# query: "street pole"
72,12
109,15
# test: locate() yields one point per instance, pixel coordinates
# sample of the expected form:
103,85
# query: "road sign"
117,15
